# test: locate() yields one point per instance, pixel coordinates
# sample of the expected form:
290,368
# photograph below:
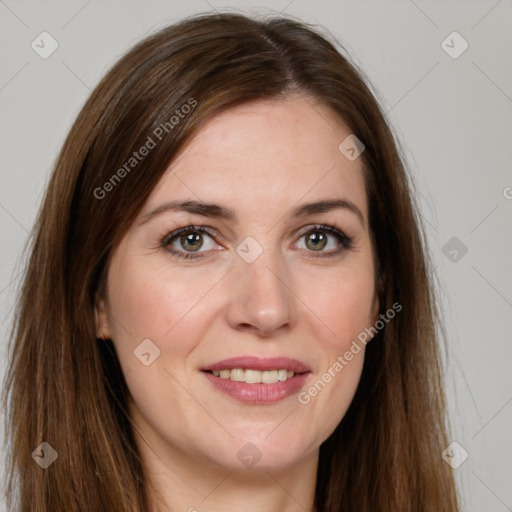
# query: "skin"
261,159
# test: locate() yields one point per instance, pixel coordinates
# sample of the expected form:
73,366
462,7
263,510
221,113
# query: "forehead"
270,154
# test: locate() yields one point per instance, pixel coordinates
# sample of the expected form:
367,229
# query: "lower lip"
259,393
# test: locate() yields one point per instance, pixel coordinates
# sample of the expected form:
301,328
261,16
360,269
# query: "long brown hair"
65,388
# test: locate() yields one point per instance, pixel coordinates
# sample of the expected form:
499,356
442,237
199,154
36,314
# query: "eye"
187,241
317,239
190,239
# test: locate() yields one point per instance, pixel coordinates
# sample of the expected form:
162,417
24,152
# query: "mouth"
257,381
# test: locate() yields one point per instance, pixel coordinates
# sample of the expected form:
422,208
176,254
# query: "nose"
262,299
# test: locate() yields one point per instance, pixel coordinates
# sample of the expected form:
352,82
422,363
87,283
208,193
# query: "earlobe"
100,319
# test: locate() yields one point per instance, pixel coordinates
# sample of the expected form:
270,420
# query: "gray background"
452,115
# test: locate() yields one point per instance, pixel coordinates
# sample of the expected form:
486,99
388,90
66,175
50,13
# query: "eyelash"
345,241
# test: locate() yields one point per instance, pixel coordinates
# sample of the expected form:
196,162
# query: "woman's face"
268,286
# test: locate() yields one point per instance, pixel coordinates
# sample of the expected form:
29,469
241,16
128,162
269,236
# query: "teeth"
236,374
255,376
269,377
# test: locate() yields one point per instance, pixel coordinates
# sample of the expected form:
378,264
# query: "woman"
227,303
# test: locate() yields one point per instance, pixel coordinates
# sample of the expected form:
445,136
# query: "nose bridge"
261,297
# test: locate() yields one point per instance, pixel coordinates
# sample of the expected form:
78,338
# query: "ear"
380,286
101,318
375,307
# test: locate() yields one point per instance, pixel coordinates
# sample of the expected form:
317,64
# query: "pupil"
192,239
317,239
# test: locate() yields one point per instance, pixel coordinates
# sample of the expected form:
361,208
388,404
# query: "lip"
259,363
260,393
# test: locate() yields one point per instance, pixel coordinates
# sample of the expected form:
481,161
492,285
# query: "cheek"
149,302
345,304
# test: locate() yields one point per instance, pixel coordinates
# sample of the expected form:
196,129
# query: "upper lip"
258,363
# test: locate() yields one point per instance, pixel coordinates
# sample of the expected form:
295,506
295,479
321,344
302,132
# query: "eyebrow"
217,211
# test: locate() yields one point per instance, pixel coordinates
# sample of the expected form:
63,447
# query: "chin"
266,452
